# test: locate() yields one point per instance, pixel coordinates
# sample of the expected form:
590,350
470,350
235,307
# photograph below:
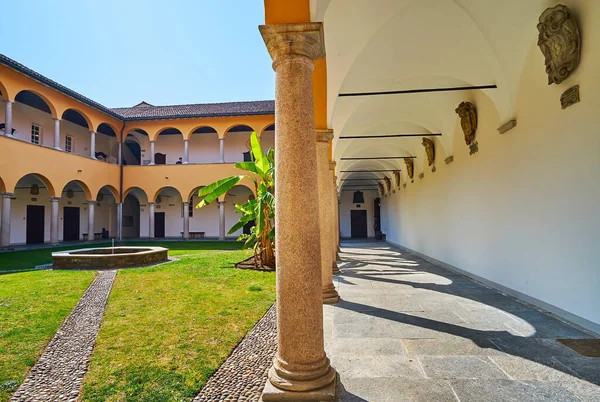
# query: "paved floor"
58,374
407,330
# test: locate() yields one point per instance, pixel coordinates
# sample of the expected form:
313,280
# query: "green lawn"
32,306
168,328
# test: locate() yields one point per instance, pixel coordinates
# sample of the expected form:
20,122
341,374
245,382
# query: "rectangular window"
68,143
35,134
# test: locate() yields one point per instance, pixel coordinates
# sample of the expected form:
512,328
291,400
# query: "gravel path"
58,374
243,375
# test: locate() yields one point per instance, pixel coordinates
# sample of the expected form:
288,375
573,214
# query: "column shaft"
5,229
221,220
186,220
8,122
57,134
186,152
119,221
91,208
222,150
120,156
330,295
301,370
334,221
92,145
151,220
152,152
54,219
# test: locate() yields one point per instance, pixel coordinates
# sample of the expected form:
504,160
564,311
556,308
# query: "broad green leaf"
236,227
261,161
215,190
248,166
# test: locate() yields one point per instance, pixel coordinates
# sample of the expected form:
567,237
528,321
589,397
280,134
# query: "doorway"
35,224
71,223
159,224
358,223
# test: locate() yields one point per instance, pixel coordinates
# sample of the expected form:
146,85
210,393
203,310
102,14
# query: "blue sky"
120,52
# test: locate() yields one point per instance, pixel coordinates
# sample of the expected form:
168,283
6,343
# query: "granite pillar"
8,122
222,150
151,152
57,134
5,228
91,208
221,220
186,220
335,226
301,370
54,219
151,220
119,221
92,145
186,152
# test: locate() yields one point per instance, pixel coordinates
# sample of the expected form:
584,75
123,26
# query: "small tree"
261,210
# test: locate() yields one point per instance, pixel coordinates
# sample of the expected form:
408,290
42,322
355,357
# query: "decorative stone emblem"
421,175
397,177
449,159
404,185
569,97
468,120
473,148
507,126
381,190
70,193
409,167
35,189
429,150
388,184
560,42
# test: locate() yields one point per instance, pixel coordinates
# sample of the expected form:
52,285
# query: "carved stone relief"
388,184
560,42
429,150
468,120
381,190
397,177
409,167
421,175
449,159
569,97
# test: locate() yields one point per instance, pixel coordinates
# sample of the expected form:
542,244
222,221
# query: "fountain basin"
109,258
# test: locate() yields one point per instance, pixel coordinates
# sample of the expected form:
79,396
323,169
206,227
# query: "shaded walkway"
406,329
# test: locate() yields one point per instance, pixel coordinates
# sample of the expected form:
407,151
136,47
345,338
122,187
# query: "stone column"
301,369
151,220
222,149
120,156
151,152
92,145
186,220
335,226
186,152
8,122
221,220
5,230
337,217
57,134
330,295
119,221
91,207
54,219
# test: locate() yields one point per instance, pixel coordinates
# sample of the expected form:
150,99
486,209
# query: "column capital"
92,202
54,199
150,203
186,203
302,39
324,135
8,101
332,165
220,202
55,119
7,195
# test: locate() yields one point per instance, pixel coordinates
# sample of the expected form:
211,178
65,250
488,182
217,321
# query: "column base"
185,163
335,269
151,164
272,393
330,294
58,148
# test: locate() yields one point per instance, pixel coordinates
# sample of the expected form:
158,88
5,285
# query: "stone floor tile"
466,367
587,368
451,347
395,390
547,326
510,391
390,366
523,369
533,348
585,390
367,347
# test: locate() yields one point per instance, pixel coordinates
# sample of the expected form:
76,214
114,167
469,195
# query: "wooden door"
159,224
35,224
358,223
71,224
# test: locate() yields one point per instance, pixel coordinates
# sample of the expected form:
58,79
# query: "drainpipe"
120,208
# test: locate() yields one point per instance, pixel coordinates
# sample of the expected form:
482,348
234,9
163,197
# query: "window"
68,143
35,134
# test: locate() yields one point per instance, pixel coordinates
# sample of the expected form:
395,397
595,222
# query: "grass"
18,260
32,306
168,328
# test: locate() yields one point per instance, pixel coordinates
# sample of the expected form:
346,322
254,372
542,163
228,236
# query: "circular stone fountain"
109,257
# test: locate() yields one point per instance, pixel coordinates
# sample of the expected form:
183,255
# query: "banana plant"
261,210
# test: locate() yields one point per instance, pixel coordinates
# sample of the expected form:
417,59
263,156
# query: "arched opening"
75,132
135,214
204,145
132,150
168,149
237,195
105,221
168,213
237,143
204,219
72,211
267,138
30,210
106,139
32,118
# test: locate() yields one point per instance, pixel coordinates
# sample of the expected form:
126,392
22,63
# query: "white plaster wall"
79,200
170,204
237,195
346,206
205,219
104,213
235,146
204,148
18,212
523,211
171,145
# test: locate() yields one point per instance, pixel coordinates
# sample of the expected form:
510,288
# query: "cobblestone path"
243,375
58,374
